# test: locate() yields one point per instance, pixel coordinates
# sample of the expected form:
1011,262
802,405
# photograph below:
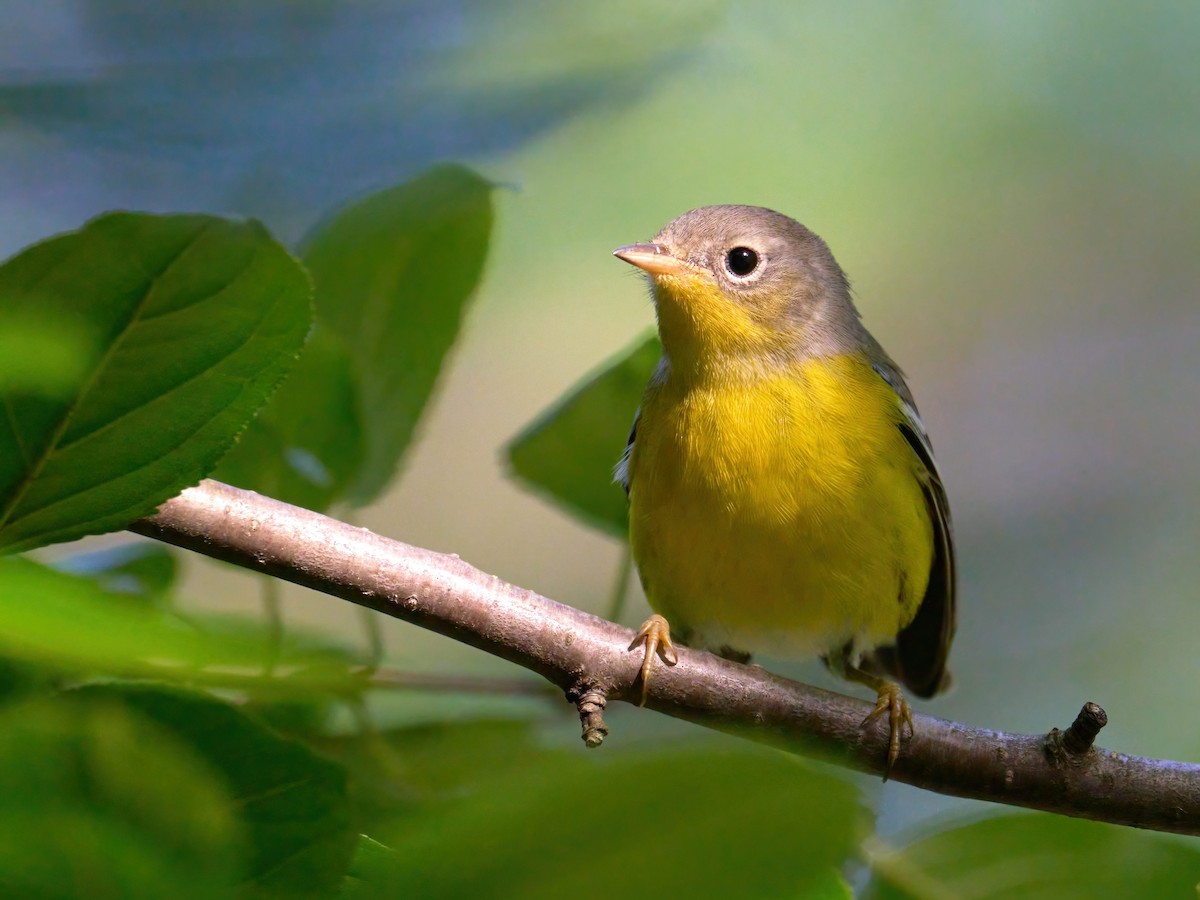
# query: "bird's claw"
891,701
655,633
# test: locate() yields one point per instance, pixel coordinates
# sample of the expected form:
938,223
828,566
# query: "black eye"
741,261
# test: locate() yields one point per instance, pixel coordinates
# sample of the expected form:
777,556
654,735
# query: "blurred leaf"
41,354
393,274
306,445
592,826
282,108
318,670
198,320
417,705
370,856
143,569
291,801
408,770
72,623
521,45
1032,856
98,802
832,886
571,450
20,678
295,714
447,759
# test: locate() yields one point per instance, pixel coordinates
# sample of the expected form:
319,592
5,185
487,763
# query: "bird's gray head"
745,278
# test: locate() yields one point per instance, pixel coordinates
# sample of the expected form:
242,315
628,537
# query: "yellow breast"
779,512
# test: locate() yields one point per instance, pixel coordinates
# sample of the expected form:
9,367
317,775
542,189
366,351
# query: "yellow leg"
655,633
889,700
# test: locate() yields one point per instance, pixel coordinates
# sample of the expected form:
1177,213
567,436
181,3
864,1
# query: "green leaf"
831,886
71,623
291,802
570,451
393,275
306,446
697,822
98,802
411,769
1038,856
20,678
195,321
370,857
40,354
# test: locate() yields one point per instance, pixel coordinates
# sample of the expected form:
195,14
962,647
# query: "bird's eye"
741,261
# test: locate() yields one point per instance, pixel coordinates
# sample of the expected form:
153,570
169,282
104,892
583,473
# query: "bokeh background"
1014,190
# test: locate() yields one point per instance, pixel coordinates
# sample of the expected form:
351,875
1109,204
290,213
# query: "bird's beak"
653,258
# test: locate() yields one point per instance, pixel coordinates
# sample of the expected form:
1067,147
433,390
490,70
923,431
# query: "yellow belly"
780,514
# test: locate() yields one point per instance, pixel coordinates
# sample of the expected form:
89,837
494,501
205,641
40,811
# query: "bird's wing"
621,472
919,657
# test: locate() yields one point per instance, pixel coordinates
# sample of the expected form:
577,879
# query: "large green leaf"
193,321
393,276
291,802
71,623
737,822
570,451
1031,856
96,801
41,354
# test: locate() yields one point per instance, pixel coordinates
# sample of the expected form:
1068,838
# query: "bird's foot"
655,633
891,701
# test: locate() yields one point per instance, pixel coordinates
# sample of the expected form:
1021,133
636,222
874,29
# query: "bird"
783,495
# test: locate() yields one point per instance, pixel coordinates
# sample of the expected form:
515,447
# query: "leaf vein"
34,467
107,481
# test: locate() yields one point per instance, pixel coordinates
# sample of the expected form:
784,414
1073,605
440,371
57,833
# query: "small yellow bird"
783,497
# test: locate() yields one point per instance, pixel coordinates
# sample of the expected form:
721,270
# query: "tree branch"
587,658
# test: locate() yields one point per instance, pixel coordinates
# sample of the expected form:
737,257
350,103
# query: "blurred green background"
1013,189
